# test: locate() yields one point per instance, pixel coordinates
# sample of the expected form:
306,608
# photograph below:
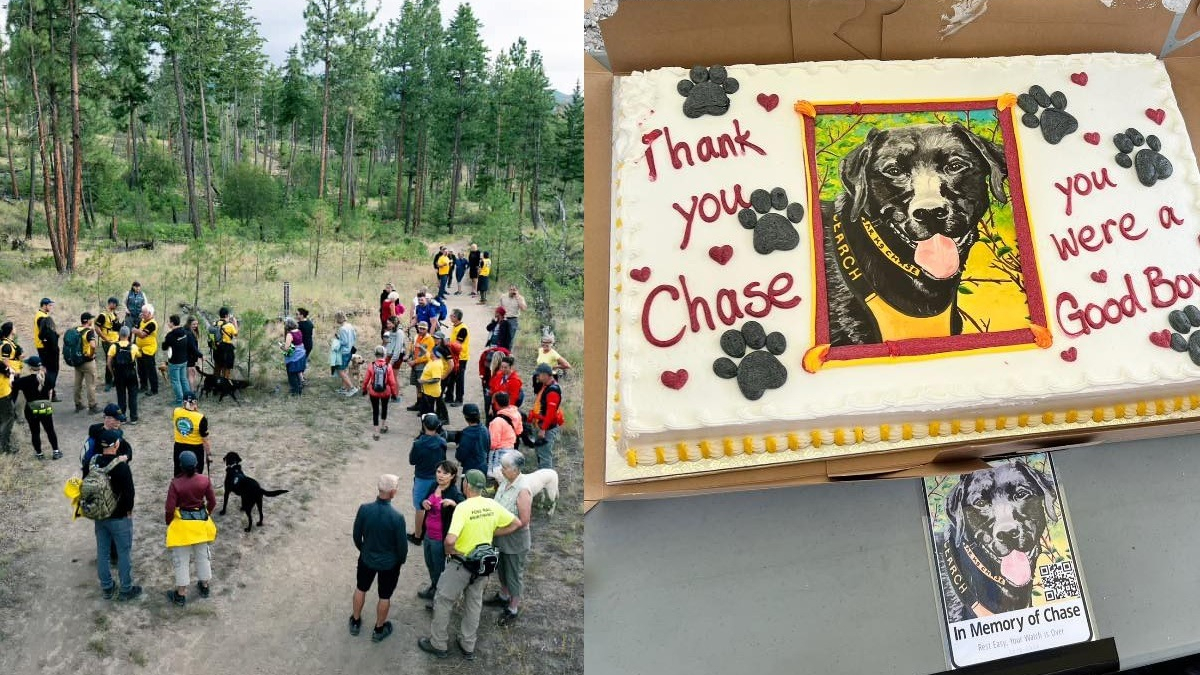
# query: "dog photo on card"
1008,573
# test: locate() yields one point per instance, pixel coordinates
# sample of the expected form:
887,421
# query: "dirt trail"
281,595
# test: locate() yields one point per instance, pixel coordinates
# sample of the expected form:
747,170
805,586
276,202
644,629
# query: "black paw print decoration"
707,92
1182,321
1149,165
759,370
1054,121
772,231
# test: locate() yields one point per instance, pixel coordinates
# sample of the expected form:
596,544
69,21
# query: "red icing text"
1093,238
754,301
707,149
709,207
1082,184
1160,290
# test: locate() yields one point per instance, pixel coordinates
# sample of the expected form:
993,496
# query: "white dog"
540,481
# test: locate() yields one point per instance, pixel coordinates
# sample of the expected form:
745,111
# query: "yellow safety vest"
461,335
187,426
149,344
108,332
37,328
485,267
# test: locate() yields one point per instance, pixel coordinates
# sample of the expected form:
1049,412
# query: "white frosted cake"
823,259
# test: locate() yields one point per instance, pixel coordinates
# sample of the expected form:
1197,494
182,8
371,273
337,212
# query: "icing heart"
674,380
640,274
856,108
1069,355
1092,137
768,101
1156,114
1079,79
721,254
1100,276
1161,339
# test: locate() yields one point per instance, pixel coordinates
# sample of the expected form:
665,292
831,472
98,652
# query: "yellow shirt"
475,522
187,426
435,369
148,345
5,387
108,332
485,267
37,330
422,349
8,352
443,264
228,333
460,335
549,358
112,351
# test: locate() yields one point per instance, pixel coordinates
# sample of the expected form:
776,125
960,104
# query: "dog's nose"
1009,536
930,217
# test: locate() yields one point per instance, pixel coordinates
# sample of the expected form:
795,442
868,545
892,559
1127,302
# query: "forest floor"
281,594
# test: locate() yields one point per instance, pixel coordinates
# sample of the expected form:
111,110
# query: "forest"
163,120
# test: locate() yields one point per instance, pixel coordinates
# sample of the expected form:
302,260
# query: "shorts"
387,580
415,375
345,361
224,355
474,273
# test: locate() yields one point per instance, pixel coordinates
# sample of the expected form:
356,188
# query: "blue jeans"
545,452
435,559
118,531
421,487
177,374
443,286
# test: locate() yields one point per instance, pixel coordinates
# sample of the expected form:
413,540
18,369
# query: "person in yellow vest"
85,373
122,361
456,387
485,276
444,264
8,411
422,351
10,350
191,433
227,330
46,343
107,325
147,342
190,527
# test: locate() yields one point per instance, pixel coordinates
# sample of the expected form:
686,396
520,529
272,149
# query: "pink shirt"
433,519
503,434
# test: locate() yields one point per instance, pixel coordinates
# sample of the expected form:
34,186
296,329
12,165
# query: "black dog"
987,554
221,386
897,237
247,488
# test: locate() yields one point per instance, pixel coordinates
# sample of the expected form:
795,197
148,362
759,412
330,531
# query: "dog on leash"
211,383
540,482
237,482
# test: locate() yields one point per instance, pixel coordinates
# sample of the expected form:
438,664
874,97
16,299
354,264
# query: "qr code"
1059,581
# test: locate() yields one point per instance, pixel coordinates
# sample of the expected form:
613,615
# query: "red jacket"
510,382
547,411
389,388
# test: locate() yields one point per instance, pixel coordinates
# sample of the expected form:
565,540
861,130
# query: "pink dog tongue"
938,256
1015,568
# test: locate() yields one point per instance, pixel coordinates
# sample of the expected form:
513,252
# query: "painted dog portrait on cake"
921,244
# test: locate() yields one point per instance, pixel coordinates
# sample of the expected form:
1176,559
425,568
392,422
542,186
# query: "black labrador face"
1003,511
925,189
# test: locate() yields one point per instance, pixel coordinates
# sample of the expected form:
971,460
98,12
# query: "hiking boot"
57,454
39,455
467,655
413,408
427,646
78,407
381,632
177,599
204,589
495,601
507,617
414,539
355,626
427,594
109,592
129,594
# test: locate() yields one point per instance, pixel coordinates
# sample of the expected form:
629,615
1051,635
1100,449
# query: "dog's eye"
956,166
980,503
1023,493
891,170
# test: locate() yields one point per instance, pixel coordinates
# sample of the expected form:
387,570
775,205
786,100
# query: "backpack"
122,363
214,334
97,500
481,561
72,349
506,418
379,383
87,451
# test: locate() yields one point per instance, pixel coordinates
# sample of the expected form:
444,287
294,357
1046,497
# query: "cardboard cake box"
648,34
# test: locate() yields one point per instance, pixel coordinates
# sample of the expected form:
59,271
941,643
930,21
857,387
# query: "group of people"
452,267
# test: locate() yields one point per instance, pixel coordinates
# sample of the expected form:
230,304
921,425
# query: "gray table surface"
838,579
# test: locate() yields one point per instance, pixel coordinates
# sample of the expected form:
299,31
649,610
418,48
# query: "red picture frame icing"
1003,230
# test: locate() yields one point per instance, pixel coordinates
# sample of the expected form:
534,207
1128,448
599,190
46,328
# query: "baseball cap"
471,412
476,479
422,324
34,361
111,437
113,410
86,316
47,301
430,421
189,397
187,460
501,311
543,368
